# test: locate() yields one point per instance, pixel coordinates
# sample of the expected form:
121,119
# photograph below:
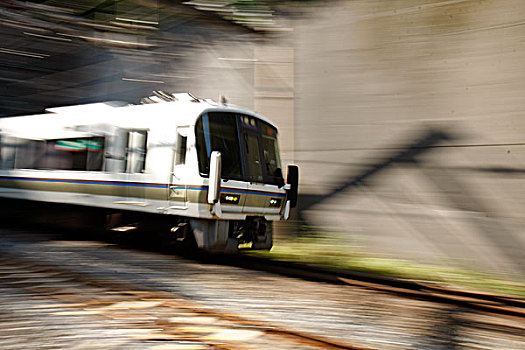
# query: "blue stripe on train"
109,183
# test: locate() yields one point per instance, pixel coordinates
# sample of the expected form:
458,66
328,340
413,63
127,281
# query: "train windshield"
248,147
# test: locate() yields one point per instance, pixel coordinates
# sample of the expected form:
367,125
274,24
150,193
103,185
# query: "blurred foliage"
328,248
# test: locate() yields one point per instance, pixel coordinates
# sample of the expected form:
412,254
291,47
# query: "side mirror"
214,186
292,178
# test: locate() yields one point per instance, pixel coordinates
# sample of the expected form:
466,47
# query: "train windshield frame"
248,146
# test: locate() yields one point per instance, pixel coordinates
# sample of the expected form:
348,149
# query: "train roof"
157,108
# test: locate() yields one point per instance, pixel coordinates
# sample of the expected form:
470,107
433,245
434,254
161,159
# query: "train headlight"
275,202
230,198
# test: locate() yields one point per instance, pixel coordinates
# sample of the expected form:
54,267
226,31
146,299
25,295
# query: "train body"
211,170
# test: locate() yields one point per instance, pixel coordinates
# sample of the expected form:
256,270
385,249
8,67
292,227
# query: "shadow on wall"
450,183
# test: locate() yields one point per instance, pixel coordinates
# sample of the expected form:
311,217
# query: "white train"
211,170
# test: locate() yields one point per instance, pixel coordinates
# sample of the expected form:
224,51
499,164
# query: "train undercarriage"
216,236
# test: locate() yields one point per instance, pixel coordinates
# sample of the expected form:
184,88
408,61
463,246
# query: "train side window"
29,153
95,153
8,151
182,142
82,154
136,151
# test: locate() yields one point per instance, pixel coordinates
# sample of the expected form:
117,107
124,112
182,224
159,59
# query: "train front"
238,155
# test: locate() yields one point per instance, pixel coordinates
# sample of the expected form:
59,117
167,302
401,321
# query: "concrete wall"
410,128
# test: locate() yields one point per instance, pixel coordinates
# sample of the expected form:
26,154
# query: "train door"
135,166
254,170
178,182
125,159
261,165
115,163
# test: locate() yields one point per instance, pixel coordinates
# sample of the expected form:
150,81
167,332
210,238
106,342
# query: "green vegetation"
325,248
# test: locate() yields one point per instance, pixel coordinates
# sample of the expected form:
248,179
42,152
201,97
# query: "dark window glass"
8,151
28,153
95,153
181,149
74,154
253,158
202,153
64,154
61,155
136,151
221,131
218,132
272,160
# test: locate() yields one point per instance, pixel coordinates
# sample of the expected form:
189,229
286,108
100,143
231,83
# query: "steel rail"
491,303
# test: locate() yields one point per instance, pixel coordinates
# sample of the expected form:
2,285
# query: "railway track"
162,301
190,325
491,303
